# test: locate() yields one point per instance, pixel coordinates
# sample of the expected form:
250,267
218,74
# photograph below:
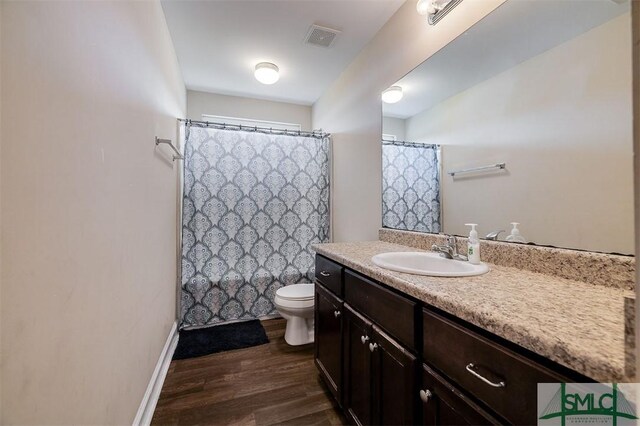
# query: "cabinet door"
395,394
443,404
328,339
357,367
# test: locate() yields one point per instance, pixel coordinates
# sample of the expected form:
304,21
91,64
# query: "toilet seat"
296,292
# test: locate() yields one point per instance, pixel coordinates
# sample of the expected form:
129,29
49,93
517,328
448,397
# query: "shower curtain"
410,186
253,204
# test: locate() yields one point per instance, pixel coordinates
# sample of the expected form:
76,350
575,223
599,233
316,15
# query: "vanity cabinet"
443,404
365,363
358,381
500,378
328,324
328,338
391,359
380,375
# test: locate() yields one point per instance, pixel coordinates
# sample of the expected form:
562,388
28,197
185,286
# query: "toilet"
295,303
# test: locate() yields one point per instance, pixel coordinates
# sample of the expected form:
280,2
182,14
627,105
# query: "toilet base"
299,331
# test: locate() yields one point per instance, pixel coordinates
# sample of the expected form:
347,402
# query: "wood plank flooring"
264,385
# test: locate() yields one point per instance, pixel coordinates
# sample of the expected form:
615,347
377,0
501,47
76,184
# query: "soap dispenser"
515,236
473,245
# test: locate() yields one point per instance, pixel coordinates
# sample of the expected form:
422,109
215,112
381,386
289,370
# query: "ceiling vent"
321,36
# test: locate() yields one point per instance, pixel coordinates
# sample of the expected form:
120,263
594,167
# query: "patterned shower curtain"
253,205
410,186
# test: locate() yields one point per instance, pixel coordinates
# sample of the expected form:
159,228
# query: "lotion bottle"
515,236
473,245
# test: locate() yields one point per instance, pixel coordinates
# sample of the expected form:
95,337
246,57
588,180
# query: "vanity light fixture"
435,9
392,95
267,73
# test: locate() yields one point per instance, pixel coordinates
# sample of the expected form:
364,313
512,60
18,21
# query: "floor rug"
220,338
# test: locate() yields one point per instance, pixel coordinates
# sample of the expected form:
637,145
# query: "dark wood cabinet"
395,368
380,375
443,404
357,367
391,359
500,378
391,311
328,337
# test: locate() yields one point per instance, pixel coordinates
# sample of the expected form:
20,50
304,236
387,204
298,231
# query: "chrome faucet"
494,235
450,249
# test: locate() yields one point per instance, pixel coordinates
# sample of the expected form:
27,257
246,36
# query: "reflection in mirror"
544,87
410,186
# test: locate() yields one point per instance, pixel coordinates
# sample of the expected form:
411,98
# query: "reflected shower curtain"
253,204
410,186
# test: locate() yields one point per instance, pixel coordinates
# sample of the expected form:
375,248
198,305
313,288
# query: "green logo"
587,403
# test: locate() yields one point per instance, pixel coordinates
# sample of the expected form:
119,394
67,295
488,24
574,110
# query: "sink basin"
425,263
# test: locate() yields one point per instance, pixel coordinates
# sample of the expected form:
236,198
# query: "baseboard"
151,395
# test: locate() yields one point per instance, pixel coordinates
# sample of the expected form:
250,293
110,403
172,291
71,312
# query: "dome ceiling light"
267,73
392,95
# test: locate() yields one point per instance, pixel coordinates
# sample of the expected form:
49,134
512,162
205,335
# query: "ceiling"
218,43
514,32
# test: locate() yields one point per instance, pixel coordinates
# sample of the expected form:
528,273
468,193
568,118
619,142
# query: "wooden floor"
264,385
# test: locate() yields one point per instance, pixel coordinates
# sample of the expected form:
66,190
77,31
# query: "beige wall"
88,207
1,356
351,109
562,123
199,103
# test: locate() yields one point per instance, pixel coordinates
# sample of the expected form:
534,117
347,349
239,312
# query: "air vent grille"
321,36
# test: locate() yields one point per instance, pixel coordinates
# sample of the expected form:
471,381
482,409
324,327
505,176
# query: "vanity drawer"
329,273
394,313
454,350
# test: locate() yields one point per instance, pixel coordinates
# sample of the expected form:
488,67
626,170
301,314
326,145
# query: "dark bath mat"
220,338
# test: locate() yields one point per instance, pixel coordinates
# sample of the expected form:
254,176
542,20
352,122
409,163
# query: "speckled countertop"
578,325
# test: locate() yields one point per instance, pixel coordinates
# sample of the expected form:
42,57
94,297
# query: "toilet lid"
296,292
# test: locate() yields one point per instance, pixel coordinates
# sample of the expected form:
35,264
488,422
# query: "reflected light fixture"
267,73
423,7
435,9
392,95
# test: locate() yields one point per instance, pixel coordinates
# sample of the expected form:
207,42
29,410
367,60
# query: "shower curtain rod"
407,143
268,130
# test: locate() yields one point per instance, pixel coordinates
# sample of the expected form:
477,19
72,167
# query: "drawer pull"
325,274
484,379
425,395
373,346
336,313
364,339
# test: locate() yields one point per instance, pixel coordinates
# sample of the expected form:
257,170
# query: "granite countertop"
575,324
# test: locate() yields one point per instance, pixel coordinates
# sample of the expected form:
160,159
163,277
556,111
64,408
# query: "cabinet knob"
336,313
373,346
325,274
425,395
364,339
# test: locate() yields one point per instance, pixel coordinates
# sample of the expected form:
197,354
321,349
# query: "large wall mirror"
531,111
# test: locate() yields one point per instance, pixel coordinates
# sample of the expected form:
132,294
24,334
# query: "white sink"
425,263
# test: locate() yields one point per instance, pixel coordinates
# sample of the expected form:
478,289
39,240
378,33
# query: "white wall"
394,126
199,103
562,121
88,207
351,109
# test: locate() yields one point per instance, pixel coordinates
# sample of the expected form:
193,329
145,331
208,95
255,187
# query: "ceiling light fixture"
392,95
267,73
